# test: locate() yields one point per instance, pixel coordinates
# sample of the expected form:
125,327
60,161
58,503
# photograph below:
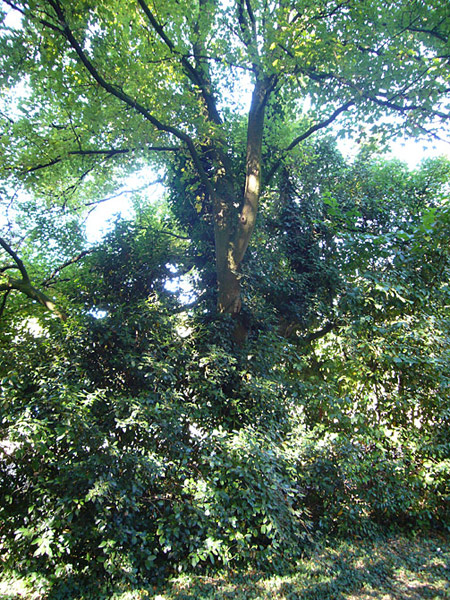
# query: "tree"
111,88
137,439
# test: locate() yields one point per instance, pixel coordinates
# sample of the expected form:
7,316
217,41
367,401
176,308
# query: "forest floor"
393,568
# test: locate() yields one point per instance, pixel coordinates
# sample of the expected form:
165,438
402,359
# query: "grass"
394,568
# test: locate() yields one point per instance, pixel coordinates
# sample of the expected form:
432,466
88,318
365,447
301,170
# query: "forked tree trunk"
231,237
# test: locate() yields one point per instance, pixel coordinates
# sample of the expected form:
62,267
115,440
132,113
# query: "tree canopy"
216,95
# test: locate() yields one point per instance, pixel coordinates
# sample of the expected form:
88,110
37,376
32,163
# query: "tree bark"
231,237
24,285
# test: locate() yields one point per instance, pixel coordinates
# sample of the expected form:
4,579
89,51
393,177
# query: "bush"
359,483
122,488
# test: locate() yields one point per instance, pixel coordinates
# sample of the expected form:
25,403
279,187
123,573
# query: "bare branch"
69,262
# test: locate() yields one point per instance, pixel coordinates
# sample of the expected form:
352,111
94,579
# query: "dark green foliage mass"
138,439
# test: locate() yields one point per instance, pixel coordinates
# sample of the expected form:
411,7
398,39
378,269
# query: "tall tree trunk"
232,238
229,288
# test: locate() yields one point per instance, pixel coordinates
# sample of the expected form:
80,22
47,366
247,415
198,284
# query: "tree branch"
41,21
24,285
123,97
158,181
288,328
432,32
255,129
8,267
388,103
248,31
55,161
3,303
307,134
251,16
69,262
175,235
16,259
107,153
316,335
192,73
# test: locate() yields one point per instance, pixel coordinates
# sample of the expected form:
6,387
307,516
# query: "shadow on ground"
394,569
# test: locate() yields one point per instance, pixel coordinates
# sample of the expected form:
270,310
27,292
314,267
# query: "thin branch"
8,267
432,134
195,76
336,9
71,189
431,32
123,97
320,125
306,135
69,262
175,235
164,148
15,7
406,108
109,153
42,21
42,166
158,181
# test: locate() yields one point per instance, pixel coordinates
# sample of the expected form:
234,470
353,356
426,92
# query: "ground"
393,568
